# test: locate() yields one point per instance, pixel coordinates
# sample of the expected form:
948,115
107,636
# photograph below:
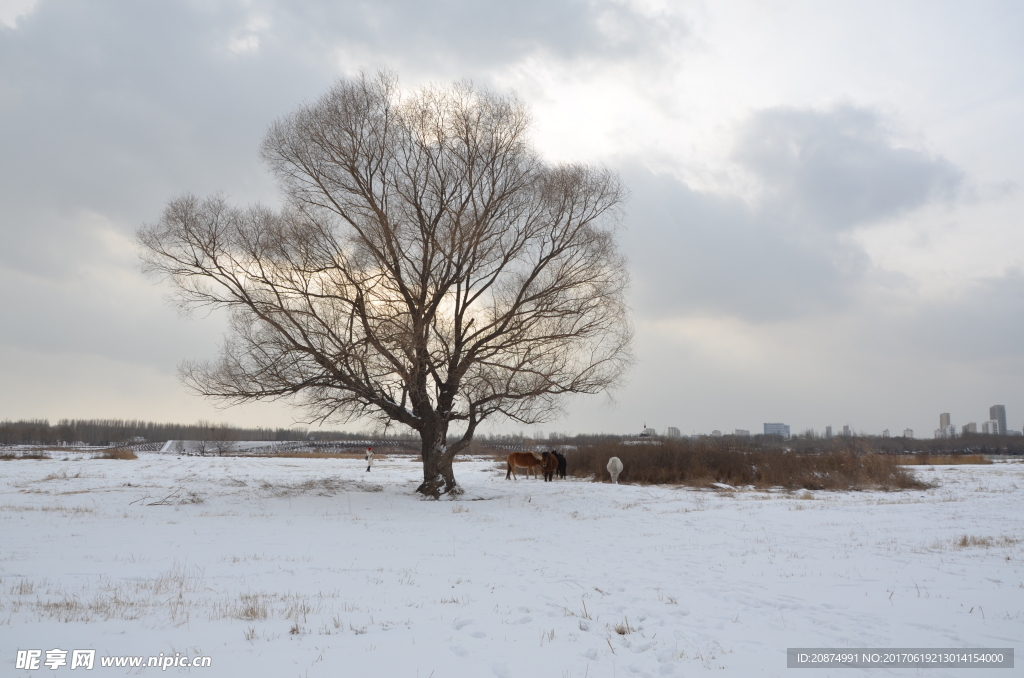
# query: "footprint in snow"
461,624
459,650
525,620
501,671
478,634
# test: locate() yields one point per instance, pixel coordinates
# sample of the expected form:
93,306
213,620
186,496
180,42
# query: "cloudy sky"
826,198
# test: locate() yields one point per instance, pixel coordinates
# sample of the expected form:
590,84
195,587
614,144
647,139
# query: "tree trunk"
438,477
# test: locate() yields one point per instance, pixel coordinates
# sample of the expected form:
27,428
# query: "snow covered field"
313,567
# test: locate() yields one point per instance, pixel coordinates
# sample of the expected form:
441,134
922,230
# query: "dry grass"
117,453
175,596
324,487
969,540
623,628
940,460
58,509
699,463
251,608
17,456
61,475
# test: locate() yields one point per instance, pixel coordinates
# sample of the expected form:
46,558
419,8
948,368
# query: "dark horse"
549,465
561,464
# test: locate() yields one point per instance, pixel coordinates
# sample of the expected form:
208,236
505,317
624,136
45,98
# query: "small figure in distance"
369,458
614,469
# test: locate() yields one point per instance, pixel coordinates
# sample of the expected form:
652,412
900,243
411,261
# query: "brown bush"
701,462
941,460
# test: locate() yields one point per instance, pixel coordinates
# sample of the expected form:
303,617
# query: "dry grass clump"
701,462
941,460
623,628
969,540
61,475
117,453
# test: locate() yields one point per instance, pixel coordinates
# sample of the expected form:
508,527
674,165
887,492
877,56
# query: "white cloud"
12,10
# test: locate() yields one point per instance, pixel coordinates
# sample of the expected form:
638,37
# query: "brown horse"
549,465
528,460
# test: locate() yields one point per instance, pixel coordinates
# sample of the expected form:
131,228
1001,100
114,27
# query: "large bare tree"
427,268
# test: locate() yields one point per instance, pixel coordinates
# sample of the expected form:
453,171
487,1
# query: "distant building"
828,431
846,431
777,430
716,433
969,428
672,432
885,433
991,427
908,433
945,429
998,413
742,433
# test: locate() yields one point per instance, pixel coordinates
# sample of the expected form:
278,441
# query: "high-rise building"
885,433
969,428
998,413
741,433
908,433
944,420
846,431
992,427
777,430
672,432
828,431
716,433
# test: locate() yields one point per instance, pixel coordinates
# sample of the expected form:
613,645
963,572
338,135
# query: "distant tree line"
115,431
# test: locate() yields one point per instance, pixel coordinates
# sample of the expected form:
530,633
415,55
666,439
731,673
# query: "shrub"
941,460
700,462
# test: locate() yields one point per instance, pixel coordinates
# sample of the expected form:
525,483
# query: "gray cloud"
112,107
783,256
839,168
695,252
476,34
983,324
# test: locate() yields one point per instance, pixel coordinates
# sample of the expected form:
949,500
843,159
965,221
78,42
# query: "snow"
226,557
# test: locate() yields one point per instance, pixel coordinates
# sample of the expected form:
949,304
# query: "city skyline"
947,427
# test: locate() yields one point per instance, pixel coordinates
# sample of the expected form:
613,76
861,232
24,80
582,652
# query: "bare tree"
427,268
